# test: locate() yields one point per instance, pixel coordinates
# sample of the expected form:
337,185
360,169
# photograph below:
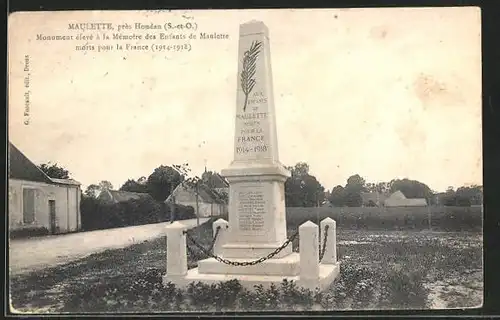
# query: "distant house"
218,183
438,198
373,199
37,201
210,201
115,196
398,199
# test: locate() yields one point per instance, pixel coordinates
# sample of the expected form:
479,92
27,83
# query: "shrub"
142,292
293,297
227,294
183,212
220,296
99,215
404,288
145,292
259,298
201,295
28,232
327,301
287,296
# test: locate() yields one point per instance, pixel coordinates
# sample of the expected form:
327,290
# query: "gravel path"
26,255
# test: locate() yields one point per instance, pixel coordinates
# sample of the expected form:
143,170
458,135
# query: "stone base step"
286,266
327,274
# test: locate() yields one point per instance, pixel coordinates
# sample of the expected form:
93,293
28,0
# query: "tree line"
302,189
350,195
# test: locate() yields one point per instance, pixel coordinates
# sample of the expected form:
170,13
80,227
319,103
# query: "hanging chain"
193,253
211,245
208,252
241,264
325,237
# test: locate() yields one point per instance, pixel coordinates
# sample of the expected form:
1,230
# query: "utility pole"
429,216
379,205
197,206
172,202
317,207
183,172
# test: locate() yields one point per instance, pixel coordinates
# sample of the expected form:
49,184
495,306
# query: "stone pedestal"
257,223
303,268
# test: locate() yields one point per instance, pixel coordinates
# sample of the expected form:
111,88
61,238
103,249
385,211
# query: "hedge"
404,218
28,232
98,215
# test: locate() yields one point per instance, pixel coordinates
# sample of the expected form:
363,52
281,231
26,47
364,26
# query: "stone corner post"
221,238
330,256
176,250
309,255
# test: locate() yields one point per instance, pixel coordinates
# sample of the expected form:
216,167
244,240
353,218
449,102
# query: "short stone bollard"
330,255
309,255
221,237
176,250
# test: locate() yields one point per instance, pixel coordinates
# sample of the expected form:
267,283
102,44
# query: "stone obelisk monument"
257,199
257,221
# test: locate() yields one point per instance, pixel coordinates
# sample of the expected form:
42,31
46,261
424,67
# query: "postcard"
168,161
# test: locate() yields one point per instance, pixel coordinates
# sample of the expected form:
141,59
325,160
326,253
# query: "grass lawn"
380,270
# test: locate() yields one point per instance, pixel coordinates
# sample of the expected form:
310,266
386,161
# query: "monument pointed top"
220,220
253,27
308,224
328,220
175,225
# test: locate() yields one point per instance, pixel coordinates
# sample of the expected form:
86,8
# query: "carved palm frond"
249,68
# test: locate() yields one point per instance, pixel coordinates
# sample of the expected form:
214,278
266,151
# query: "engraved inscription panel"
251,209
252,137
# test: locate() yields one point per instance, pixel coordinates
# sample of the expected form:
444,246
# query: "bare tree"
188,182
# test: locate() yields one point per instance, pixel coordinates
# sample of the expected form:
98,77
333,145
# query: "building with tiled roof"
395,199
209,201
115,196
398,199
37,201
373,199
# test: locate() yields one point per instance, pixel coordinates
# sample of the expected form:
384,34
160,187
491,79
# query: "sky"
383,93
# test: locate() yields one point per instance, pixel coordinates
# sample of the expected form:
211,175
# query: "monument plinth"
257,220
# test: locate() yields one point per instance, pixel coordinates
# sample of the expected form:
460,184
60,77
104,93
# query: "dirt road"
26,255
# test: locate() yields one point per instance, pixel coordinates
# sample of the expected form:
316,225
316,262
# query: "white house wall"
187,197
404,203
394,202
72,194
67,199
183,195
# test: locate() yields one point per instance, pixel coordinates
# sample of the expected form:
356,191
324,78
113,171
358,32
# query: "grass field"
380,270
